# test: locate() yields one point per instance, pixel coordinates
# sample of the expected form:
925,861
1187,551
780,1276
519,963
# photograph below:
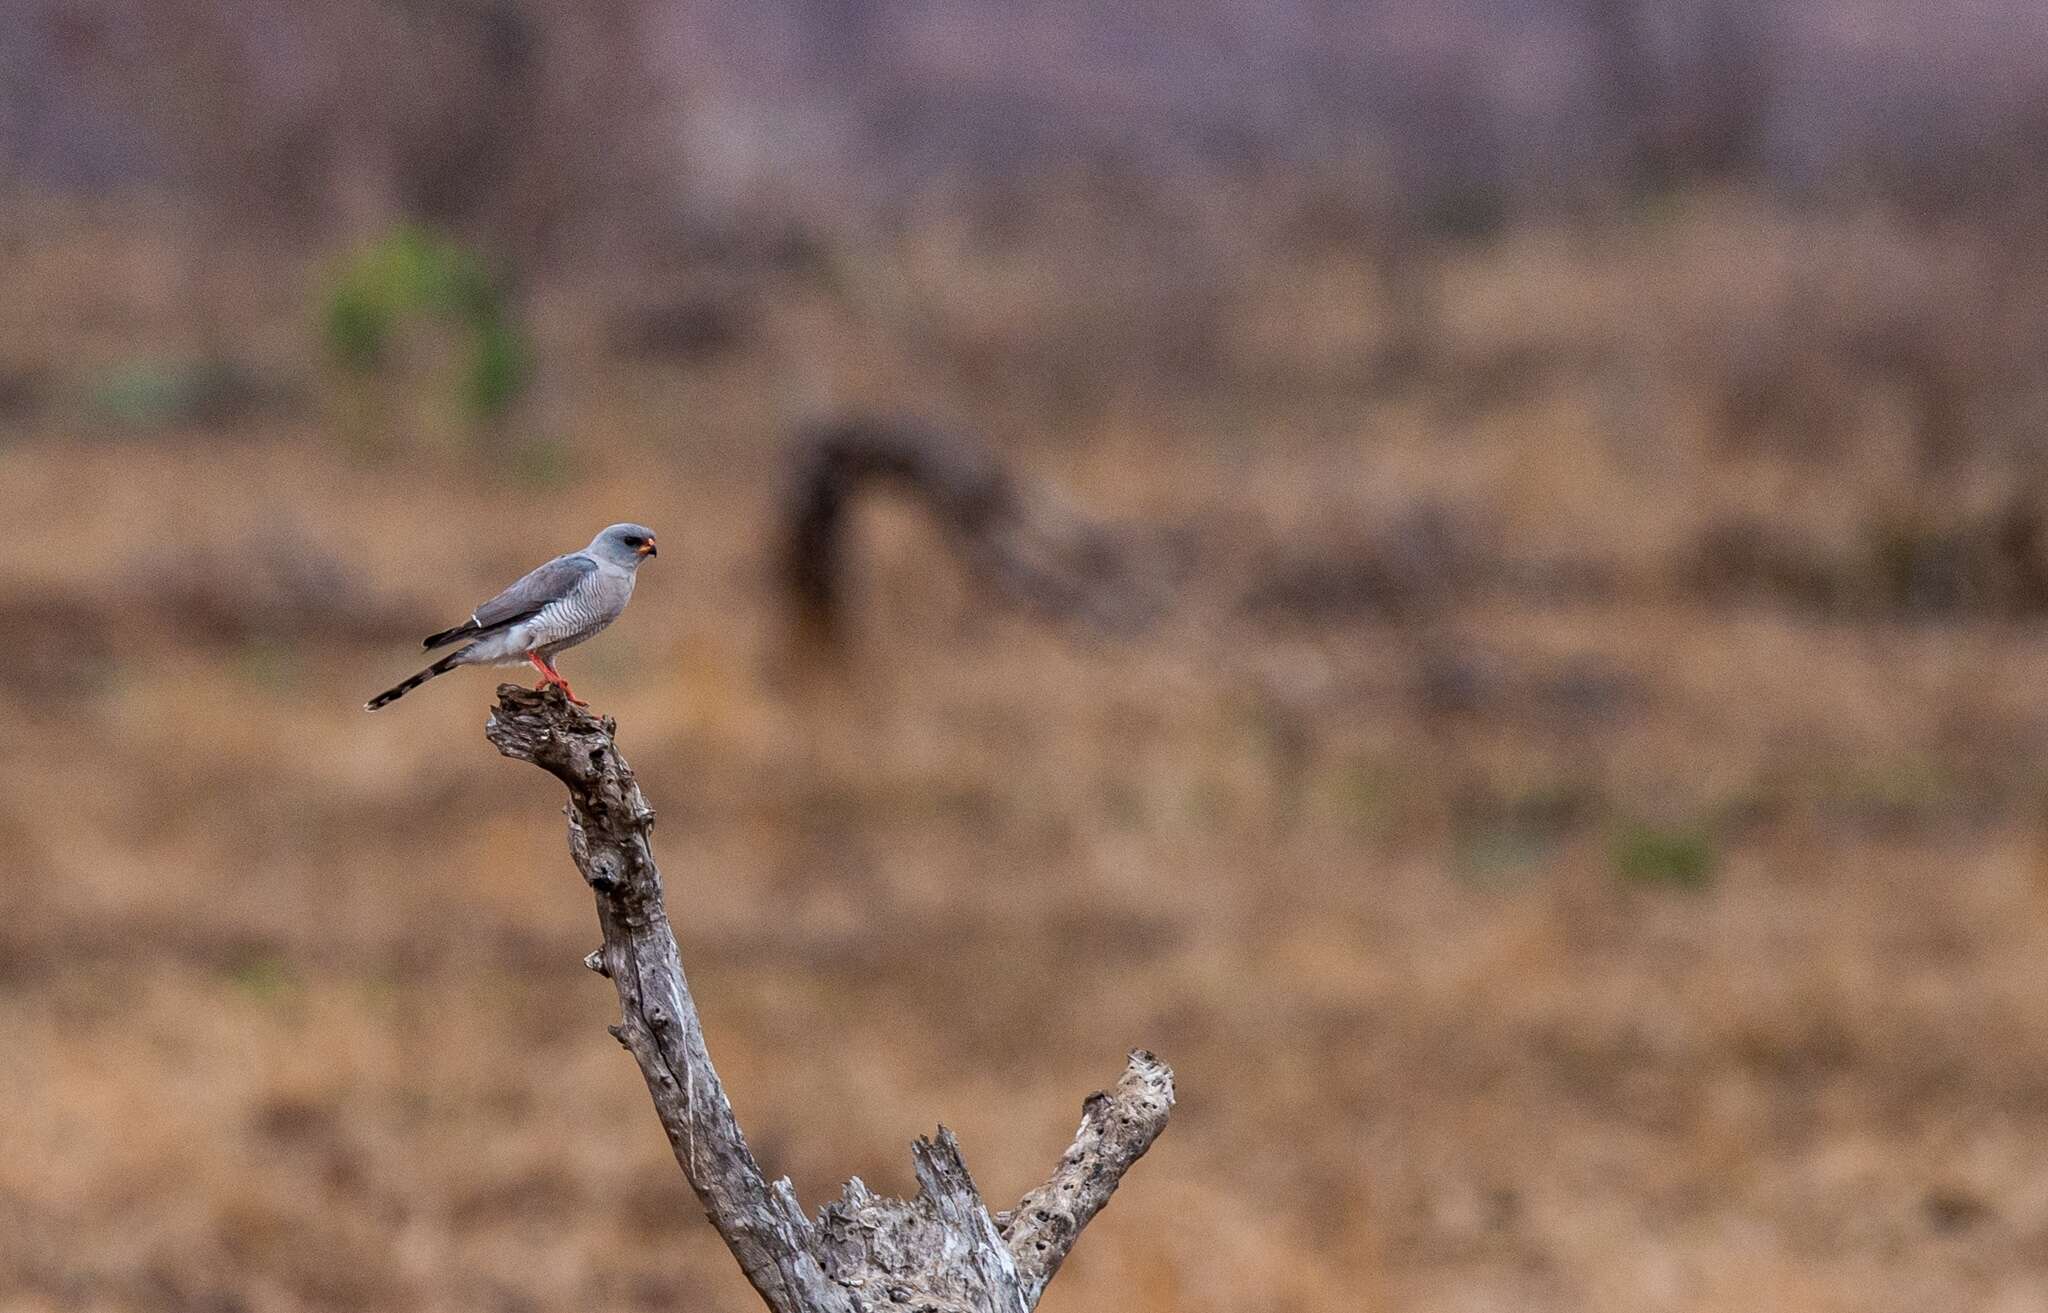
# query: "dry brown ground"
290,996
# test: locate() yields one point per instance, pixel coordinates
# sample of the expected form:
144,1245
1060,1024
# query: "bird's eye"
633,540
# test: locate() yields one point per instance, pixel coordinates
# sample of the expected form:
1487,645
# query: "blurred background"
1567,799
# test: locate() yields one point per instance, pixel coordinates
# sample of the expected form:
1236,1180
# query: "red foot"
550,676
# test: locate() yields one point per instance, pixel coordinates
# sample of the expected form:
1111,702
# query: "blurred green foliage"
414,272
1679,856
264,976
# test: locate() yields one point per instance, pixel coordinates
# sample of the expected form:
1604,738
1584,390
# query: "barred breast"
583,614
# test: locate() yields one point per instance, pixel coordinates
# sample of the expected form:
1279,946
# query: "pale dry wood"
940,1252
1117,1127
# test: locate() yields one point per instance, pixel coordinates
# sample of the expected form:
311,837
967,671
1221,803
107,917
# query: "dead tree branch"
1116,1128
940,1252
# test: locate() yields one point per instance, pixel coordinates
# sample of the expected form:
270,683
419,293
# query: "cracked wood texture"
940,1252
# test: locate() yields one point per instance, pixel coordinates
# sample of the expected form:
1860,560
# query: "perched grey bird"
564,602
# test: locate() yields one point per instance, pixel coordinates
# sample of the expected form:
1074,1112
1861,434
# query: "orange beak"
647,548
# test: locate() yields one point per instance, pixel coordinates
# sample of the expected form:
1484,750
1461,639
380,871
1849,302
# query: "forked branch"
940,1252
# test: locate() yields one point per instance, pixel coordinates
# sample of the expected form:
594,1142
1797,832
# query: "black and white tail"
447,636
391,695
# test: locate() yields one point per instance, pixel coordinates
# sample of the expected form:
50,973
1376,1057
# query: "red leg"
549,675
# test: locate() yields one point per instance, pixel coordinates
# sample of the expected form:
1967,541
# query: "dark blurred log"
940,1252
1020,540
1024,543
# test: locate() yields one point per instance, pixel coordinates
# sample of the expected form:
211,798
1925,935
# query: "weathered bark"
940,1252
1116,1128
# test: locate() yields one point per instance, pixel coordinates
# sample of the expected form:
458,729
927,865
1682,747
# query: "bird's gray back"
545,586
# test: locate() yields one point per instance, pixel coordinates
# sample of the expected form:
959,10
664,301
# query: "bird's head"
624,545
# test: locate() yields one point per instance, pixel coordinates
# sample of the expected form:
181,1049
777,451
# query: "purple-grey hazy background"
854,109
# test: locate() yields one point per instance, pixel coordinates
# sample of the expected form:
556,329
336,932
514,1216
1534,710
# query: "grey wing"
523,600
